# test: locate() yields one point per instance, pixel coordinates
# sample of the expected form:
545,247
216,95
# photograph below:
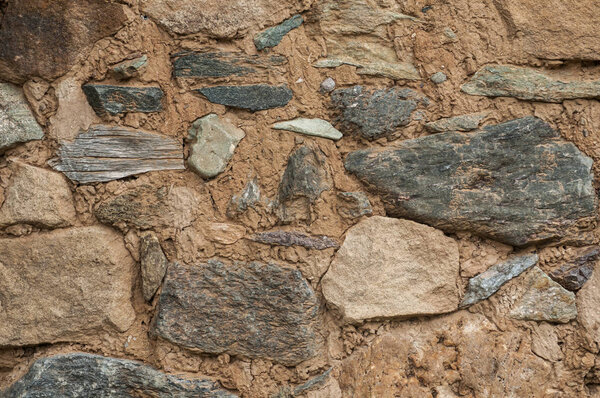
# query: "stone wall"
299,198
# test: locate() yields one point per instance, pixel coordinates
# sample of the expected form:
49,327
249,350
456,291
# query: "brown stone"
153,263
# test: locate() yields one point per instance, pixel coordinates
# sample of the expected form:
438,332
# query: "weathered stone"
393,268
121,99
327,85
527,84
588,302
314,127
544,300
254,98
64,286
373,114
80,375
487,283
544,342
291,238
248,198
153,264
223,233
517,182
225,64
105,153
17,124
313,383
396,70
456,123
64,29
272,36
255,310
213,142
37,197
439,77
573,275
354,205
130,68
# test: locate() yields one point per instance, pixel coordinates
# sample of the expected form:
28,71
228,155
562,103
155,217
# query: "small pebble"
327,85
438,77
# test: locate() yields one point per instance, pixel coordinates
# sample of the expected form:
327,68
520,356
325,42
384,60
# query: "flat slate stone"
287,238
456,123
17,124
255,310
121,99
272,36
106,153
224,64
527,84
574,274
80,375
517,182
315,127
254,98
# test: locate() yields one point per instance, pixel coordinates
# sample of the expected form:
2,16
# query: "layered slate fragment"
224,64
121,99
254,98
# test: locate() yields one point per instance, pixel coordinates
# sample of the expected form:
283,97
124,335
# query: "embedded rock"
517,182
456,123
121,99
393,268
254,98
439,77
272,36
17,124
287,238
327,85
130,68
588,302
354,204
573,275
314,127
249,197
153,264
225,64
255,310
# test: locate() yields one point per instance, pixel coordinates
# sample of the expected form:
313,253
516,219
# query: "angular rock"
487,283
254,98
130,68
287,238
272,36
248,198
393,268
106,153
544,300
37,197
527,84
456,123
121,99
354,204
255,310
153,264
314,127
80,375
64,285
517,182
17,124
225,64
573,275
73,114
213,144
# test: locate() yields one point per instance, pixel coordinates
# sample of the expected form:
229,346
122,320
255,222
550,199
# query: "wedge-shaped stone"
17,124
272,36
80,375
105,153
255,310
121,99
517,182
225,64
315,127
254,98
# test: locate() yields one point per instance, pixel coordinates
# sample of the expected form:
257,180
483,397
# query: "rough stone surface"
153,264
327,85
130,68
17,124
527,84
291,238
213,144
255,310
121,99
37,197
249,197
80,375
314,127
588,302
573,275
254,98
517,182
439,77
52,290
225,64
393,268
544,342
487,283
272,36
354,205
456,123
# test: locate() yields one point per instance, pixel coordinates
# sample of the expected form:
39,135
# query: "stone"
517,182
544,342
573,275
488,282
544,300
438,77
292,238
313,384
223,233
249,197
153,264
64,286
17,124
253,98
327,85
254,310
390,268
106,153
373,114
38,197
80,375
314,127
395,71
456,123
130,68
588,302
272,36
353,205
109,99
527,84
225,64
65,30
213,142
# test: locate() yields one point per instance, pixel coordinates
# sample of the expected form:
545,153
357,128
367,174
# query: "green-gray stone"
314,127
17,124
121,99
456,123
272,36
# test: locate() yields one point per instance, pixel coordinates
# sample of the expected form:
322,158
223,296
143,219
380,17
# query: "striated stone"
438,77
255,310
272,36
314,127
393,268
121,99
64,285
254,98
573,275
292,238
17,124
130,68
249,197
354,205
544,342
456,123
37,197
517,182
527,84
79,375
225,64
153,264
487,283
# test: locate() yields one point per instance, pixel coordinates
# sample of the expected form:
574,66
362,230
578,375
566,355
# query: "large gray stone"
272,36
517,182
225,64
254,98
121,99
17,124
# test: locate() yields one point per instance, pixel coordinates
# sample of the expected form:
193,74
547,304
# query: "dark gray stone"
517,182
254,98
224,64
120,99
255,310
85,375
573,275
287,238
272,36
354,204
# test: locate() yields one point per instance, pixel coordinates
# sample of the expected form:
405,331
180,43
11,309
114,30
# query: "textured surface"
121,99
17,124
314,127
153,264
130,68
287,238
254,98
354,204
574,274
272,36
224,64
456,123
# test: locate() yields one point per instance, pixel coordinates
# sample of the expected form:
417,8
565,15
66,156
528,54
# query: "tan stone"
153,264
588,303
390,267
74,114
223,233
544,342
